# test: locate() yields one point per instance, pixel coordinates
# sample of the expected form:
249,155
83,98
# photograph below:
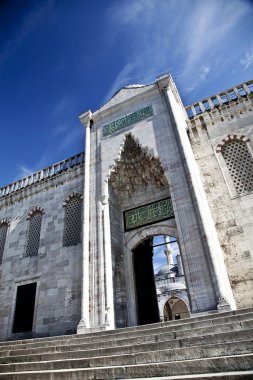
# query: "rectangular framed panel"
127,120
148,214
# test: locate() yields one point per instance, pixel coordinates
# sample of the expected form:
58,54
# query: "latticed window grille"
33,240
240,165
72,223
3,234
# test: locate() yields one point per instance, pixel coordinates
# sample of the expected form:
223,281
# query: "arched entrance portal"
175,308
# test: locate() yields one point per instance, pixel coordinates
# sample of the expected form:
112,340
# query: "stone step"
159,356
184,367
80,351
208,319
170,331
242,375
217,346
162,337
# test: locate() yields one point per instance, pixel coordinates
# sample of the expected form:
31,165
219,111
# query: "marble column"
178,115
109,297
84,324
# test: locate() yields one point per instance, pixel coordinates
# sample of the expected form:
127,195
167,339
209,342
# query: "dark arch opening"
147,305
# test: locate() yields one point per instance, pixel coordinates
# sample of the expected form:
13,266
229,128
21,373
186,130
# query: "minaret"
168,252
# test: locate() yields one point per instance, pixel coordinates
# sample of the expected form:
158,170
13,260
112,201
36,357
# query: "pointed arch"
231,137
34,210
4,225
33,239
175,307
72,219
238,160
71,196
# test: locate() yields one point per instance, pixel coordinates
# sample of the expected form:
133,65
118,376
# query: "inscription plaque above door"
127,120
148,214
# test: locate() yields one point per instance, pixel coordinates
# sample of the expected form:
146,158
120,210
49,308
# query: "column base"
223,305
83,329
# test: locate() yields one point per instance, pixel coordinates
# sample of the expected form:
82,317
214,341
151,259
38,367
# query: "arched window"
3,233
240,165
33,239
72,221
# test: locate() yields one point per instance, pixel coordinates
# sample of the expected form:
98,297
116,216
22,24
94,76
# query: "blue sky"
59,58
159,257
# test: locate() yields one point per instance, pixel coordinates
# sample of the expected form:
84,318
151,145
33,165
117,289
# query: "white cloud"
197,78
61,106
23,171
248,58
71,136
122,79
185,39
60,113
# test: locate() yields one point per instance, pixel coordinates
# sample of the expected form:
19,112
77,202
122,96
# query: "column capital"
166,84
86,118
164,81
104,200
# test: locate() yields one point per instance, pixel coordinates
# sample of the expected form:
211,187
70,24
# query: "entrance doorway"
24,310
159,274
145,283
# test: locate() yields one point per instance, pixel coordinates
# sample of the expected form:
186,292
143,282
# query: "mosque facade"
77,238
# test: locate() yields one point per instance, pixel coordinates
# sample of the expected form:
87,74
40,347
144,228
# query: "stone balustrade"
218,100
43,174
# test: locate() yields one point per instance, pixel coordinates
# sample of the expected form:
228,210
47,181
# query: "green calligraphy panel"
127,120
148,214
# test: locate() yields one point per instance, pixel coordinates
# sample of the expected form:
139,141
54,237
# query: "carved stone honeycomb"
136,169
3,233
33,240
72,224
240,165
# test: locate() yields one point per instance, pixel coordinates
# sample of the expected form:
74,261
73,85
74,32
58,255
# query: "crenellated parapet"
43,175
223,106
221,99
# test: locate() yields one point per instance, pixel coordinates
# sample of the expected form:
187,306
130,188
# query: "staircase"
216,346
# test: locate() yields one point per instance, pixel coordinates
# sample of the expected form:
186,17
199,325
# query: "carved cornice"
86,118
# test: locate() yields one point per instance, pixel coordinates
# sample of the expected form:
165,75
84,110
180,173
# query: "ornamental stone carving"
135,170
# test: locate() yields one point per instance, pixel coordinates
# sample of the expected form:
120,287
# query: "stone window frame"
5,222
74,194
223,166
31,213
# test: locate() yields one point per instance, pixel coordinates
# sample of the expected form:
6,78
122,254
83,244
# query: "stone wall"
144,156
55,269
232,212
